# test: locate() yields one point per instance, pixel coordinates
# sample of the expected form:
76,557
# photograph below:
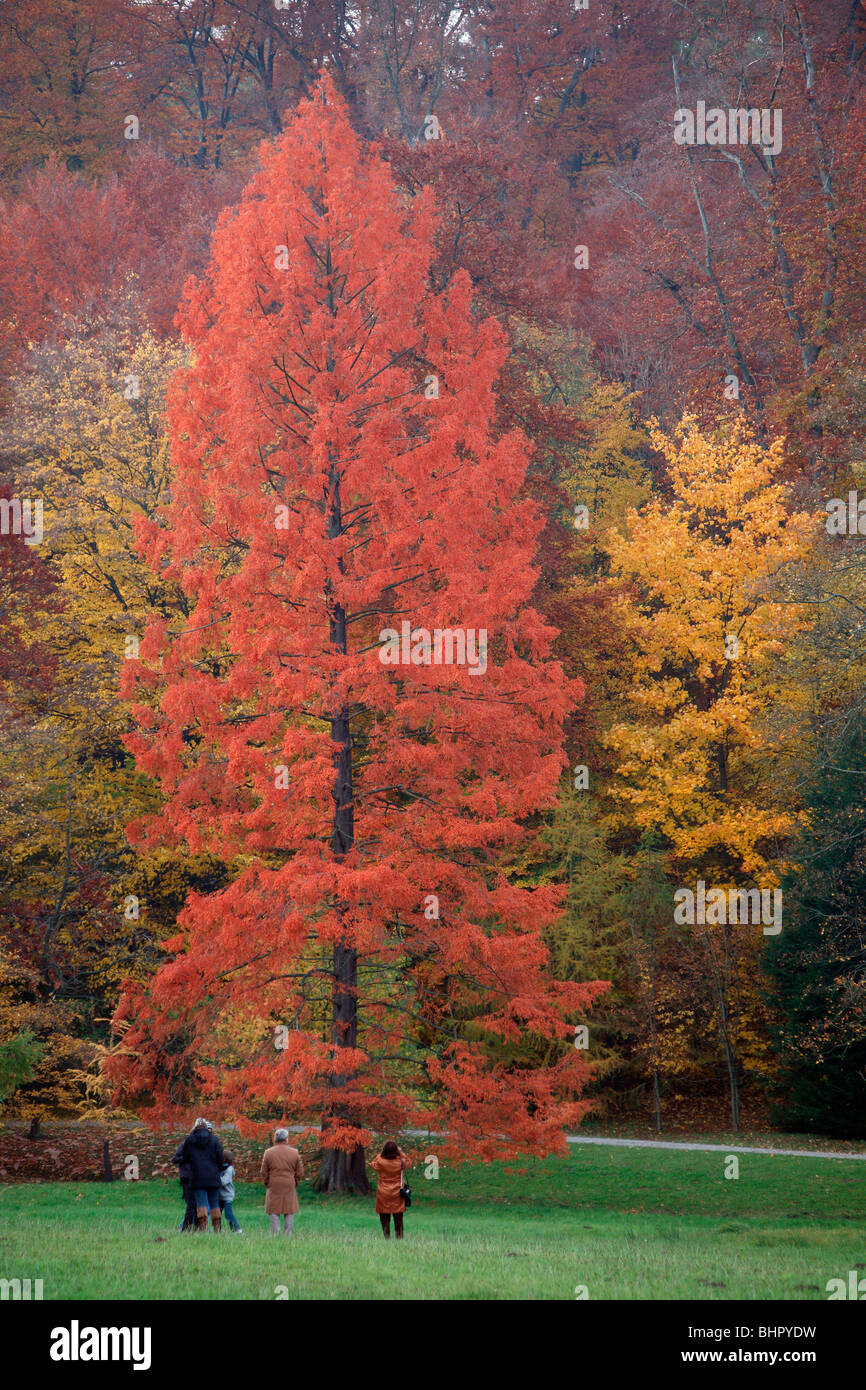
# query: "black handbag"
405,1190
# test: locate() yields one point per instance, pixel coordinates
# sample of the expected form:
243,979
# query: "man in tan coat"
282,1169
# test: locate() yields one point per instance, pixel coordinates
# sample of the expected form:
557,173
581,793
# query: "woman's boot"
216,1217
201,1218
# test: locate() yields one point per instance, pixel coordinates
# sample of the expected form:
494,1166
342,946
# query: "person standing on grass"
184,1172
389,1165
203,1152
227,1192
282,1170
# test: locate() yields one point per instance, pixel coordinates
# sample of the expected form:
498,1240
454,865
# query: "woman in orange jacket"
389,1165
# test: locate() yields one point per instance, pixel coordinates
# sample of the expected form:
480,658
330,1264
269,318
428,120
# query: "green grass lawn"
625,1223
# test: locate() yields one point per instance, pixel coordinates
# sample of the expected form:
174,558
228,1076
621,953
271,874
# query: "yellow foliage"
707,575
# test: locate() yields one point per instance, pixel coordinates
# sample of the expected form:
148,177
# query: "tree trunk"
719,977
33,1131
733,1083
657,1100
341,1170
657,1090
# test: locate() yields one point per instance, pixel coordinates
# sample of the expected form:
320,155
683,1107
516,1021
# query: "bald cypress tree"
341,492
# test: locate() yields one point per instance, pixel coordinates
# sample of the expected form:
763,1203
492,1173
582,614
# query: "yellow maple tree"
709,572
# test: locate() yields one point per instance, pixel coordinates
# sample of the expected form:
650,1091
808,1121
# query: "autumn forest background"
647,445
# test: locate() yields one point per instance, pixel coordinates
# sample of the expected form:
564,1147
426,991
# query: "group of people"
207,1180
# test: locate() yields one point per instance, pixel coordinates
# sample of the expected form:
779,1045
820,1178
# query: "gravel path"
713,1148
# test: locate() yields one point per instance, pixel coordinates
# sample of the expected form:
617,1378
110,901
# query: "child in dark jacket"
227,1192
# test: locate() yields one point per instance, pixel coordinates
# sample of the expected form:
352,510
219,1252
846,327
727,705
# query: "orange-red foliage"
308,392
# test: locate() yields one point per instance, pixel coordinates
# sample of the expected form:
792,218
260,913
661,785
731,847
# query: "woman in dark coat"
203,1152
389,1165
